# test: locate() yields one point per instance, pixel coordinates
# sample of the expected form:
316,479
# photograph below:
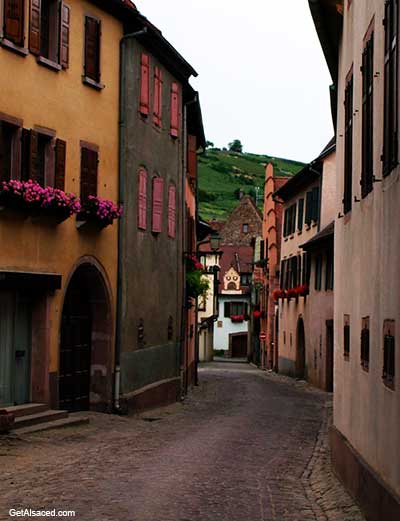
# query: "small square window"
245,228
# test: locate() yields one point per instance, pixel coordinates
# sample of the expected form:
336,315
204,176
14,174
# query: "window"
157,208
157,107
144,85
9,151
300,215
174,129
172,211
14,21
245,279
89,172
348,146
365,338
389,358
308,208
318,273
236,308
390,136
315,204
346,337
367,70
290,220
245,228
92,51
329,274
43,158
142,199
49,32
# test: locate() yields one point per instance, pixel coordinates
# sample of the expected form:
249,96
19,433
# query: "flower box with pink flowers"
98,212
30,199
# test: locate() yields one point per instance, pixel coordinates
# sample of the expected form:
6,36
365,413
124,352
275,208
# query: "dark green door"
6,349
22,350
15,349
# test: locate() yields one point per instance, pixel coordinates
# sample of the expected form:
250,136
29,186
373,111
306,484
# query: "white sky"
262,75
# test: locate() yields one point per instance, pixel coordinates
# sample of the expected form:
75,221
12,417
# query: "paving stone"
244,446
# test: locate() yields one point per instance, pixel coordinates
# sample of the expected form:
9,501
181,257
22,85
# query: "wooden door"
239,346
300,350
75,352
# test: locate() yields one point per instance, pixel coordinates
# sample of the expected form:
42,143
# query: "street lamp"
214,241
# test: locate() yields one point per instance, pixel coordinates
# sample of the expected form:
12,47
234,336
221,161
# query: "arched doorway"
300,350
85,373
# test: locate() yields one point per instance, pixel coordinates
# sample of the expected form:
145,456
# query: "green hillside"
223,174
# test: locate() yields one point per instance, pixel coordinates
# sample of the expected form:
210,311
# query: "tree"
236,146
209,144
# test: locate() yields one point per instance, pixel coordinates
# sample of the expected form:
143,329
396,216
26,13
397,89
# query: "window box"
97,213
236,319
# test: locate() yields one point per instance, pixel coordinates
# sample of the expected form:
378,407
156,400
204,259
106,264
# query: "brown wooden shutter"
34,27
89,163
64,36
14,21
34,173
59,177
92,48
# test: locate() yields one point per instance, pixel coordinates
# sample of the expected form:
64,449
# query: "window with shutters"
89,173
157,98
13,22
365,339
346,337
174,108
49,32
9,151
348,146
367,70
390,135
315,204
309,208
329,271
172,211
227,309
235,308
142,199
389,353
41,157
318,273
306,272
157,206
300,215
92,73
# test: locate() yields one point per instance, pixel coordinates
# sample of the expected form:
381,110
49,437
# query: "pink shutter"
158,192
174,110
172,211
144,85
157,96
142,200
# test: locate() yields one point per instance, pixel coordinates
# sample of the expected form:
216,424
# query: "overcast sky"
262,75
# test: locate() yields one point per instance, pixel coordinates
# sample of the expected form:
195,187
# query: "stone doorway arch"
85,351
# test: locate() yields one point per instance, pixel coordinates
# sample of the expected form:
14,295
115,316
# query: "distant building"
305,295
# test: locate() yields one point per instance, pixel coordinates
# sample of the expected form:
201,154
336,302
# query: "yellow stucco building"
59,103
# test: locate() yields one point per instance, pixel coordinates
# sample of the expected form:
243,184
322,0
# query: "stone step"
40,417
27,409
70,421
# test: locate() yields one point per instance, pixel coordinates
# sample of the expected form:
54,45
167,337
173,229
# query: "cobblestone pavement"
245,446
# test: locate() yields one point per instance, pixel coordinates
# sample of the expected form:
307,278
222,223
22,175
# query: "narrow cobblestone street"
245,446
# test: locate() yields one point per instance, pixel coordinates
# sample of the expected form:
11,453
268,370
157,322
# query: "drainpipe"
122,158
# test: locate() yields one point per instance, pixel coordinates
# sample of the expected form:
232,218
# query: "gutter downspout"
121,183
